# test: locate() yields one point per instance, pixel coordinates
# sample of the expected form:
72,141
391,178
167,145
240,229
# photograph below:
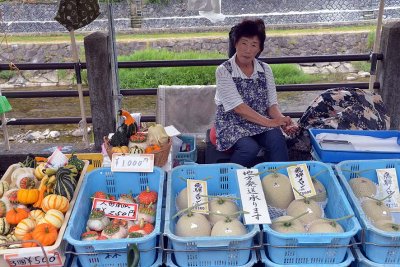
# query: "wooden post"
388,72
99,77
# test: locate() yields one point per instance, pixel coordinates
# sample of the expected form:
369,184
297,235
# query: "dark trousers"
245,150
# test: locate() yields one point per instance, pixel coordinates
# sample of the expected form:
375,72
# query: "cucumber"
133,255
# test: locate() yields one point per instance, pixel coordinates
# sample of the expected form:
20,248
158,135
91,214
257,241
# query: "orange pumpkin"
15,215
56,202
28,236
45,233
152,148
28,196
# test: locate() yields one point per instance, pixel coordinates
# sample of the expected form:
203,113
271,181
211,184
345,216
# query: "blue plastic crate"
362,261
348,260
379,246
306,248
190,155
335,156
207,251
113,252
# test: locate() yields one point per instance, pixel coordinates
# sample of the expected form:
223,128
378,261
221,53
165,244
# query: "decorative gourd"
25,182
4,207
4,186
136,150
66,181
45,233
57,202
25,226
21,172
37,215
39,171
28,236
54,217
27,196
75,161
15,215
12,195
4,226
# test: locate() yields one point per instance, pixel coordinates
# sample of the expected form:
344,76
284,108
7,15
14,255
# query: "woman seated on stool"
248,117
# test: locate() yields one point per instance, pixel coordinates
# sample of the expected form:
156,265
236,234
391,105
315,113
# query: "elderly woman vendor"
248,117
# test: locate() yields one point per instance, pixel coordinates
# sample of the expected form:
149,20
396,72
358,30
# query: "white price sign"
252,196
18,260
301,181
197,190
387,180
115,209
132,162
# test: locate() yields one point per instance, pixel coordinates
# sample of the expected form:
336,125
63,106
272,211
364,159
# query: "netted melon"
287,224
363,187
375,210
325,226
387,225
300,206
277,190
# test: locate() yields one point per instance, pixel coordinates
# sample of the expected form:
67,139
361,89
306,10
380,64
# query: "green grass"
362,65
120,37
153,77
6,74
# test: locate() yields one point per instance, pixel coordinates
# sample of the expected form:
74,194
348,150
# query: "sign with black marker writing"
252,196
116,209
301,181
132,162
387,180
34,260
197,192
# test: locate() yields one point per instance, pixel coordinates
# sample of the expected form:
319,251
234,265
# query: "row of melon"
101,227
33,201
376,211
223,218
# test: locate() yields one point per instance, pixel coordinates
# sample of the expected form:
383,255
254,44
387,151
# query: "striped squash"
64,187
4,226
37,215
25,226
4,186
54,201
53,217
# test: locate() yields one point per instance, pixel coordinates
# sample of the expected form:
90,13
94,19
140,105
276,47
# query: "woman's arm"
250,114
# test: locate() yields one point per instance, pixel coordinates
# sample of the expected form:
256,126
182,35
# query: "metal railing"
178,63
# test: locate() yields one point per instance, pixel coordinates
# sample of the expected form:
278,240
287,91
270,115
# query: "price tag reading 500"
132,162
54,259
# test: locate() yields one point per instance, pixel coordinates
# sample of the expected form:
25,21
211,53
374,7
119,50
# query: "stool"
212,155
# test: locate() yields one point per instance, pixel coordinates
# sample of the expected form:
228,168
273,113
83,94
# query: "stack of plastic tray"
187,156
59,247
362,261
379,246
207,251
113,252
307,248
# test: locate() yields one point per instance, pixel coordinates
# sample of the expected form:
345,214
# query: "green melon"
277,190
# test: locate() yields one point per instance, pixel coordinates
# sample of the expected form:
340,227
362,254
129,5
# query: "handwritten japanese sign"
33,260
301,181
197,190
387,180
132,162
252,196
115,209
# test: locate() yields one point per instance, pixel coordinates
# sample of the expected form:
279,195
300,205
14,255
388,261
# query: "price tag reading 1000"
132,162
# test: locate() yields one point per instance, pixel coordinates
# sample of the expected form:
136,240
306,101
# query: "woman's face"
247,48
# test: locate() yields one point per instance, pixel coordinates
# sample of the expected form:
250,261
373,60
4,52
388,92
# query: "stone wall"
290,45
